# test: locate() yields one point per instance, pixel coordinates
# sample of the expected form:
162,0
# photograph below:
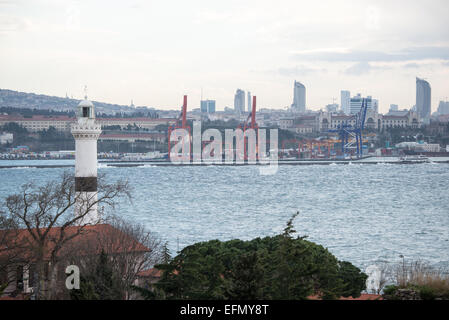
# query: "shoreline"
147,163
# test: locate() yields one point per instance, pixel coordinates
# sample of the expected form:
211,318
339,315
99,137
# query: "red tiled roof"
35,118
307,118
303,126
19,297
137,119
89,239
395,117
364,296
131,135
153,272
341,117
67,118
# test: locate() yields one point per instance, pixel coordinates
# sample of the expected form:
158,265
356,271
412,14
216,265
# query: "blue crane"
350,131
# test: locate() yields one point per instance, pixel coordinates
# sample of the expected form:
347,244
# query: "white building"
356,104
249,101
62,123
345,101
6,137
86,132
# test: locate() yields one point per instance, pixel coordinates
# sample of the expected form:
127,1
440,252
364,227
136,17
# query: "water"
362,213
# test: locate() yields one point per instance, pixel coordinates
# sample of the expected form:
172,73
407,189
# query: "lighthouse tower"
86,132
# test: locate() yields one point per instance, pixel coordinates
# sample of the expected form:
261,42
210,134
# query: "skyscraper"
443,108
208,106
356,104
345,97
299,98
239,101
394,107
249,101
204,106
423,99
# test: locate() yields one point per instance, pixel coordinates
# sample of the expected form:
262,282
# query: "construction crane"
350,132
249,123
180,123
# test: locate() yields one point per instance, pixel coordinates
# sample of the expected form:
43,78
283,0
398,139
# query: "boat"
414,159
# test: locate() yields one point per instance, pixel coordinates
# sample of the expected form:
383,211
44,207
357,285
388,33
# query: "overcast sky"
155,51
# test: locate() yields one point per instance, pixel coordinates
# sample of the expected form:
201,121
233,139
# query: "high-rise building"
239,101
299,98
332,107
423,99
208,106
443,108
394,107
203,106
345,101
375,105
355,104
249,101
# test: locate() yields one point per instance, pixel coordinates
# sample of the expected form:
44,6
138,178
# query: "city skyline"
56,48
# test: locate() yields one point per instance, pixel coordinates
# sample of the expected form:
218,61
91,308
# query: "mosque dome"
85,103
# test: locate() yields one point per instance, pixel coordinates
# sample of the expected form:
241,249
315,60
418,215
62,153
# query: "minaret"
86,132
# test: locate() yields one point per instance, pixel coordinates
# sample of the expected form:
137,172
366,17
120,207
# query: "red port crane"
181,123
250,125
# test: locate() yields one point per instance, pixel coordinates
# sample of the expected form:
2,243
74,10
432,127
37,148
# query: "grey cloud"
414,53
362,68
298,70
411,65
359,69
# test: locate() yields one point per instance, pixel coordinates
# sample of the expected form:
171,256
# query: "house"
19,255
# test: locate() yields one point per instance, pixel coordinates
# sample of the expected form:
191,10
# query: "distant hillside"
15,99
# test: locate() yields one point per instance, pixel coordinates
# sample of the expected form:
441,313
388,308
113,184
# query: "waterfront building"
323,121
6,137
62,123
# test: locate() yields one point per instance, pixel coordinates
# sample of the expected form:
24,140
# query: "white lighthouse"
86,132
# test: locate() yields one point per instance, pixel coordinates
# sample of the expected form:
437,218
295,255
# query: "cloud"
407,54
412,65
298,71
364,67
359,69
